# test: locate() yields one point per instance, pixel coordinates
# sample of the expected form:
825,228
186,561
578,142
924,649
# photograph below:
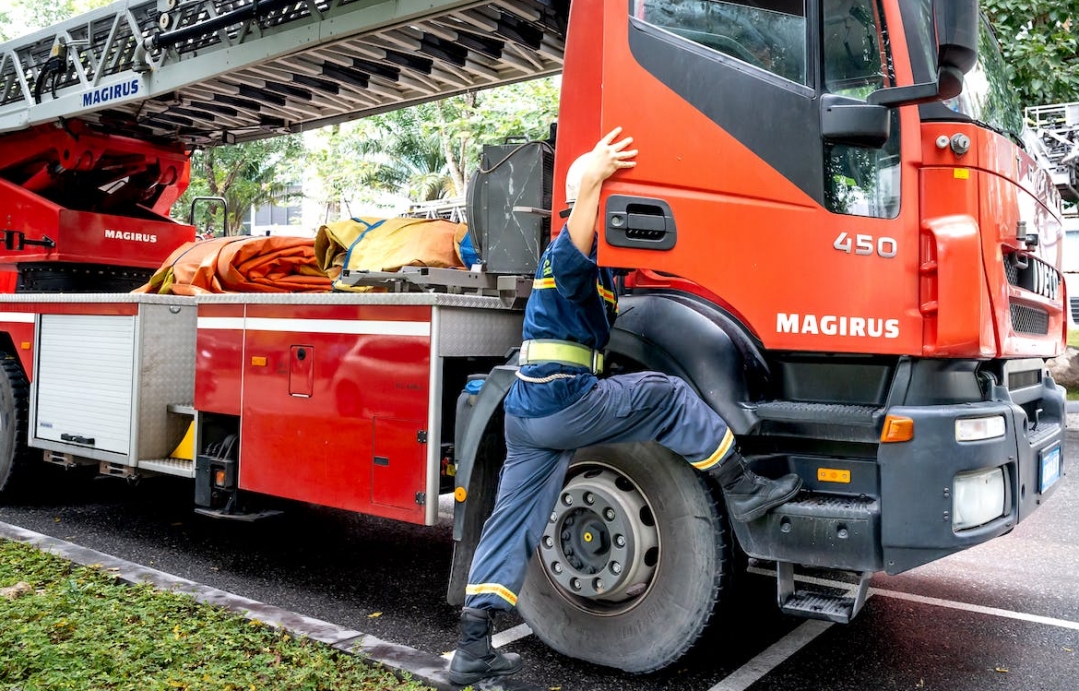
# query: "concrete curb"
423,667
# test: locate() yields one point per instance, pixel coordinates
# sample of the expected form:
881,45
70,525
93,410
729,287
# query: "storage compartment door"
84,381
398,475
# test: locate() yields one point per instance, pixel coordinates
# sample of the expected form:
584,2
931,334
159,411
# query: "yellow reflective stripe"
715,458
541,283
607,295
492,589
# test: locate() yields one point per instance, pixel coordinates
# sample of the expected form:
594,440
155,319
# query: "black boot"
474,658
750,496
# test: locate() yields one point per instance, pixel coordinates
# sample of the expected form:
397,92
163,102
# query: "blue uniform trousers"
626,408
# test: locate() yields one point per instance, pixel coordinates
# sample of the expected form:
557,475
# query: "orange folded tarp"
258,264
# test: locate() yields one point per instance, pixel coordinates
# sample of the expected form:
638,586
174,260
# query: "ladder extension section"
1057,128
207,72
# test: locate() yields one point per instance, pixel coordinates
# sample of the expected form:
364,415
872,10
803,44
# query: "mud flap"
479,457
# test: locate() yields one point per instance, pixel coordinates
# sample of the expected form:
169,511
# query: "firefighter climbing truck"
832,234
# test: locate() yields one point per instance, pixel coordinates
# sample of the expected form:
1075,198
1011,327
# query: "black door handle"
639,222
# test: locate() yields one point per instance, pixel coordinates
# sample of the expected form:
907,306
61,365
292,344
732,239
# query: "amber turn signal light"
897,429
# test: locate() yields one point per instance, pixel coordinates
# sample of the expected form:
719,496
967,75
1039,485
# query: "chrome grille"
1030,320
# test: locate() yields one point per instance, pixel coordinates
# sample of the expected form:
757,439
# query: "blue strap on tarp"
368,229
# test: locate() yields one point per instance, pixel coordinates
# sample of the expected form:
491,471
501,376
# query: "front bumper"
897,511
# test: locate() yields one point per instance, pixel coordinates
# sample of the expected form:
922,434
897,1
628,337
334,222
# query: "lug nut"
567,499
589,498
548,542
619,541
616,568
608,513
597,585
556,567
575,584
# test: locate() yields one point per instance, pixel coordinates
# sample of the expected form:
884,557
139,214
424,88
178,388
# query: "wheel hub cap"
601,540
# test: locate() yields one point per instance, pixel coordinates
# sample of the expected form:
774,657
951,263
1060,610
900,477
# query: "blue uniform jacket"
572,300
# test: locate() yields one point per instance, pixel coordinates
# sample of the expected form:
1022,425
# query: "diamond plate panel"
165,374
464,332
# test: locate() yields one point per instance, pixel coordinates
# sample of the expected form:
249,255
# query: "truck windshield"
987,95
769,34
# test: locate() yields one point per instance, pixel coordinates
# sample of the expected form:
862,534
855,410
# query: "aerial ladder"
99,114
1056,128
1055,135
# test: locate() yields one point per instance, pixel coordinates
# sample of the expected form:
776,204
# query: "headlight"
978,428
978,498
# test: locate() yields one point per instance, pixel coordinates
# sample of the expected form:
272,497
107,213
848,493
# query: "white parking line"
748,674
993,611
510,635
502,638
778,653
938,602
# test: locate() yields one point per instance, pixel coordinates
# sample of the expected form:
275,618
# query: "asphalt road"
1000,616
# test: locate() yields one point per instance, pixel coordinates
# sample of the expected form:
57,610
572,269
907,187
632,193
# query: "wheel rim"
601,545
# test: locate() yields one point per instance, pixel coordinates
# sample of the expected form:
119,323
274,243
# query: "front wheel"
633,561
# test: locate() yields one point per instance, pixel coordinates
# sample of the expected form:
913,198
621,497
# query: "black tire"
676,576
14,395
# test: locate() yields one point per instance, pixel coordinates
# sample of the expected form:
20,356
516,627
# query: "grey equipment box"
509,203
103,382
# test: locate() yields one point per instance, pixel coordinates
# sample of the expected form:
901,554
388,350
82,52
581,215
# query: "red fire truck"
833,234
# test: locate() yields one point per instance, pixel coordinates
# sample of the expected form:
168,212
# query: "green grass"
82,629
1073,338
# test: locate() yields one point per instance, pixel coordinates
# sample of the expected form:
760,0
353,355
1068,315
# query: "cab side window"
767,34
859,181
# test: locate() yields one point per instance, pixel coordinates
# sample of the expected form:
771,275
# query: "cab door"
737,187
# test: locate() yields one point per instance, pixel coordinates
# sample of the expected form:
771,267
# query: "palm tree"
408,154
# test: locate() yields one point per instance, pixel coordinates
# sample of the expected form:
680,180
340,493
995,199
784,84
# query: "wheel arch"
698,342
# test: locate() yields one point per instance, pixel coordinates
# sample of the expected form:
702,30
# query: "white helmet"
574,175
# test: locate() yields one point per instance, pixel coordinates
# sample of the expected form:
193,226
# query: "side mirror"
957,34
957,52
857,123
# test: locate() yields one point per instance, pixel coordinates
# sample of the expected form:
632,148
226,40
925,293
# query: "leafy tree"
1040,40
427,151
245,175
524,109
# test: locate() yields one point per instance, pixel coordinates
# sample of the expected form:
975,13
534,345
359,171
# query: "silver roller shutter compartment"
103,383
84,386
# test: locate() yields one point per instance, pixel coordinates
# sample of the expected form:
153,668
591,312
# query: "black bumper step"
820,530
810,601
838,422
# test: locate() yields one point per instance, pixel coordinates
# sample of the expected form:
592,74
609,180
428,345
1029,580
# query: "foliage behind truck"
832,234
